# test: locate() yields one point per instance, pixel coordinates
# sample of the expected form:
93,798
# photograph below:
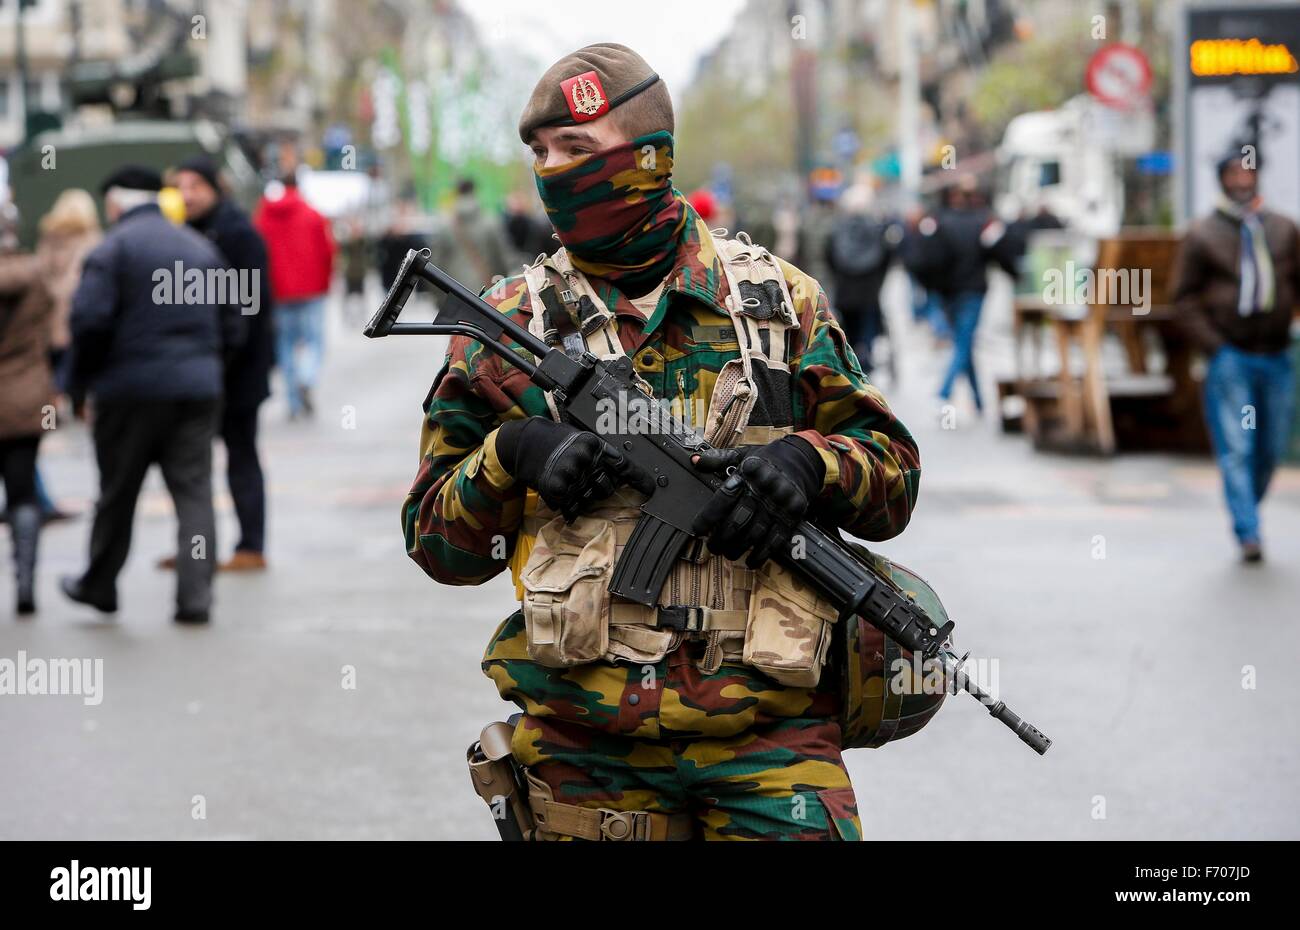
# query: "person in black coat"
859,251
247,377
948,253
152,320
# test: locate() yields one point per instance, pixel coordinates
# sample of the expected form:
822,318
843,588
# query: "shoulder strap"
567,311
758,298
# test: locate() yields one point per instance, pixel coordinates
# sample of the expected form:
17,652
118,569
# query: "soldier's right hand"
567,467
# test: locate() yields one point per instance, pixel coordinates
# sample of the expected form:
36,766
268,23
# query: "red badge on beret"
585,96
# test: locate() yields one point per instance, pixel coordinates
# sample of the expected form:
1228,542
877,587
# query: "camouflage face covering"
616,211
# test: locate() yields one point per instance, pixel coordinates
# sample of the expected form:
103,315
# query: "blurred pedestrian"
949,253
528,230
301,251
815,229
927,308
785,231
147,347
469,245
858,254
1236,284
248,371
400,236
715,211
356,265
705,204
9,220
66,234
26,393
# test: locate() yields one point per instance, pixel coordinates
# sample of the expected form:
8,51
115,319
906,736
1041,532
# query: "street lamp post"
20,57
909,96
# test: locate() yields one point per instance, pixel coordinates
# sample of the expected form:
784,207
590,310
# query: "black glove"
567,467
757,508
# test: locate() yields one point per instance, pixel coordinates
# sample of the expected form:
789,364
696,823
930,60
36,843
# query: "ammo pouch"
779,625
566,591
789,629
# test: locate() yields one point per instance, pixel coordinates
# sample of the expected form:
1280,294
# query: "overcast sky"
670,34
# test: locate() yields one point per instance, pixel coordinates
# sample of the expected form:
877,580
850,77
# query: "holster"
499,781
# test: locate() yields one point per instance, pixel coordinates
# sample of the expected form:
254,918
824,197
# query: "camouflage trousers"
781,781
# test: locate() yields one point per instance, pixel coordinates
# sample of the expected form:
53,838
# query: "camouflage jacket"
463,514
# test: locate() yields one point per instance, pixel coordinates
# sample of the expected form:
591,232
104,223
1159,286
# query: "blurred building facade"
400,79
851,49
55,33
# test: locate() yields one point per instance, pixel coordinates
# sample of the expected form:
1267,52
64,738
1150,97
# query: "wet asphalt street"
1133,663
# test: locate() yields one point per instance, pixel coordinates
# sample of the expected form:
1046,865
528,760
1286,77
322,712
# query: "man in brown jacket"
1236,283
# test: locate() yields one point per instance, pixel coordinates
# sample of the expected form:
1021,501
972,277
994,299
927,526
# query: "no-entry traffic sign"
1119,76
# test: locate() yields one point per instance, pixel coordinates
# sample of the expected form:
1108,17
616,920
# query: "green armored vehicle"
82,157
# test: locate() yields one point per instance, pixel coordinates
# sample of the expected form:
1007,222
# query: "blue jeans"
1248,402
299,323
43,499
964,312
928,308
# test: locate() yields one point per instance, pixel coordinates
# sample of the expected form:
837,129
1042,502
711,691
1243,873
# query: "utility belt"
524,808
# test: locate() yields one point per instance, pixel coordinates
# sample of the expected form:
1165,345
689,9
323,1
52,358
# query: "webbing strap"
711,618
602,823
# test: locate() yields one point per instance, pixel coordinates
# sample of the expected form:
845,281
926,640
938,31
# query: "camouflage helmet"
873,713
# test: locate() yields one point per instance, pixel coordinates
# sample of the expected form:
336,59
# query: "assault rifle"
602,397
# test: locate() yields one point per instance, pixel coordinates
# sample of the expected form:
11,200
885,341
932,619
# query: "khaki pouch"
788,631
566,591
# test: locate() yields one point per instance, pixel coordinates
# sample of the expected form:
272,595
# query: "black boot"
25,527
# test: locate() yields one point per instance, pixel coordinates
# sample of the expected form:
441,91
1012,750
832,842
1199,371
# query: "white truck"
1052,160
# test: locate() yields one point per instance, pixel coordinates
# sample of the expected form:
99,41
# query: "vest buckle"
624,825
681,617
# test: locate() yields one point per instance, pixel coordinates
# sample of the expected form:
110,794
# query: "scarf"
617,213
1255,272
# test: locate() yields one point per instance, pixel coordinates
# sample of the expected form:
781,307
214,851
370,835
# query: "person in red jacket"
301,251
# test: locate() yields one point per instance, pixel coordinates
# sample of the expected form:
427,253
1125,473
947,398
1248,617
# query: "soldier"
708,716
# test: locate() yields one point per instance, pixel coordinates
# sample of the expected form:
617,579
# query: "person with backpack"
858,253
948,254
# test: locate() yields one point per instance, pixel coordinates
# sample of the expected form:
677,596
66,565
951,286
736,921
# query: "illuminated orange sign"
1217,57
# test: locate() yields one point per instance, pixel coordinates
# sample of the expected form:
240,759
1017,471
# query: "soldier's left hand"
770,490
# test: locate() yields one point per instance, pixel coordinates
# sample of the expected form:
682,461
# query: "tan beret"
585,86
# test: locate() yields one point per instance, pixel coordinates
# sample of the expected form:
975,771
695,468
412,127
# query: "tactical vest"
767,618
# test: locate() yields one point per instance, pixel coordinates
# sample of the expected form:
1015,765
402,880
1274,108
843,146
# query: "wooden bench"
1077,404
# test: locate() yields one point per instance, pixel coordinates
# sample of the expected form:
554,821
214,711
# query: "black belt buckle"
682,618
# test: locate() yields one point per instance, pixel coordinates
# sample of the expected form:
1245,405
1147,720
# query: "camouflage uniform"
747,757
